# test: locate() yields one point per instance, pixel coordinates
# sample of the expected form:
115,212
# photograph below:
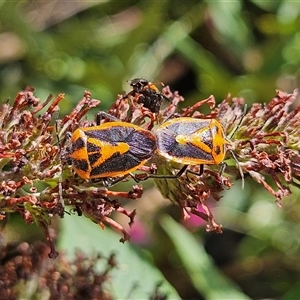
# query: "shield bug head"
111,149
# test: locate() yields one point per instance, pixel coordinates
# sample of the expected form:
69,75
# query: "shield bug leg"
223,181
144,176
218,175
110,181
181,171
239,167
104,115
223,167
200,173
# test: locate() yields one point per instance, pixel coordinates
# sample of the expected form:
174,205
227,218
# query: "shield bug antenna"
230,149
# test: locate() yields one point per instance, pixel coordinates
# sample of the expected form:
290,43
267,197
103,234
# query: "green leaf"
135,276
206,278
293,293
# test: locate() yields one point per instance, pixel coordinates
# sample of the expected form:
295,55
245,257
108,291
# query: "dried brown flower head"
23,264
37,179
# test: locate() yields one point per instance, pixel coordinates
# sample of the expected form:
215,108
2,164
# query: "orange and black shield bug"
111,149
147,94
192,141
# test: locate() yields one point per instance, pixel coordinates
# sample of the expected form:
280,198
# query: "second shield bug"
192,141
111,149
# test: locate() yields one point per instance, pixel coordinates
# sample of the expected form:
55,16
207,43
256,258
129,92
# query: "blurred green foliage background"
246,48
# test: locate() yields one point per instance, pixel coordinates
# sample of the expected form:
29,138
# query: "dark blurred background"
245,48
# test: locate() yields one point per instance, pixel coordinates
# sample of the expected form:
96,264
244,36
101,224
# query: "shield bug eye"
111,149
